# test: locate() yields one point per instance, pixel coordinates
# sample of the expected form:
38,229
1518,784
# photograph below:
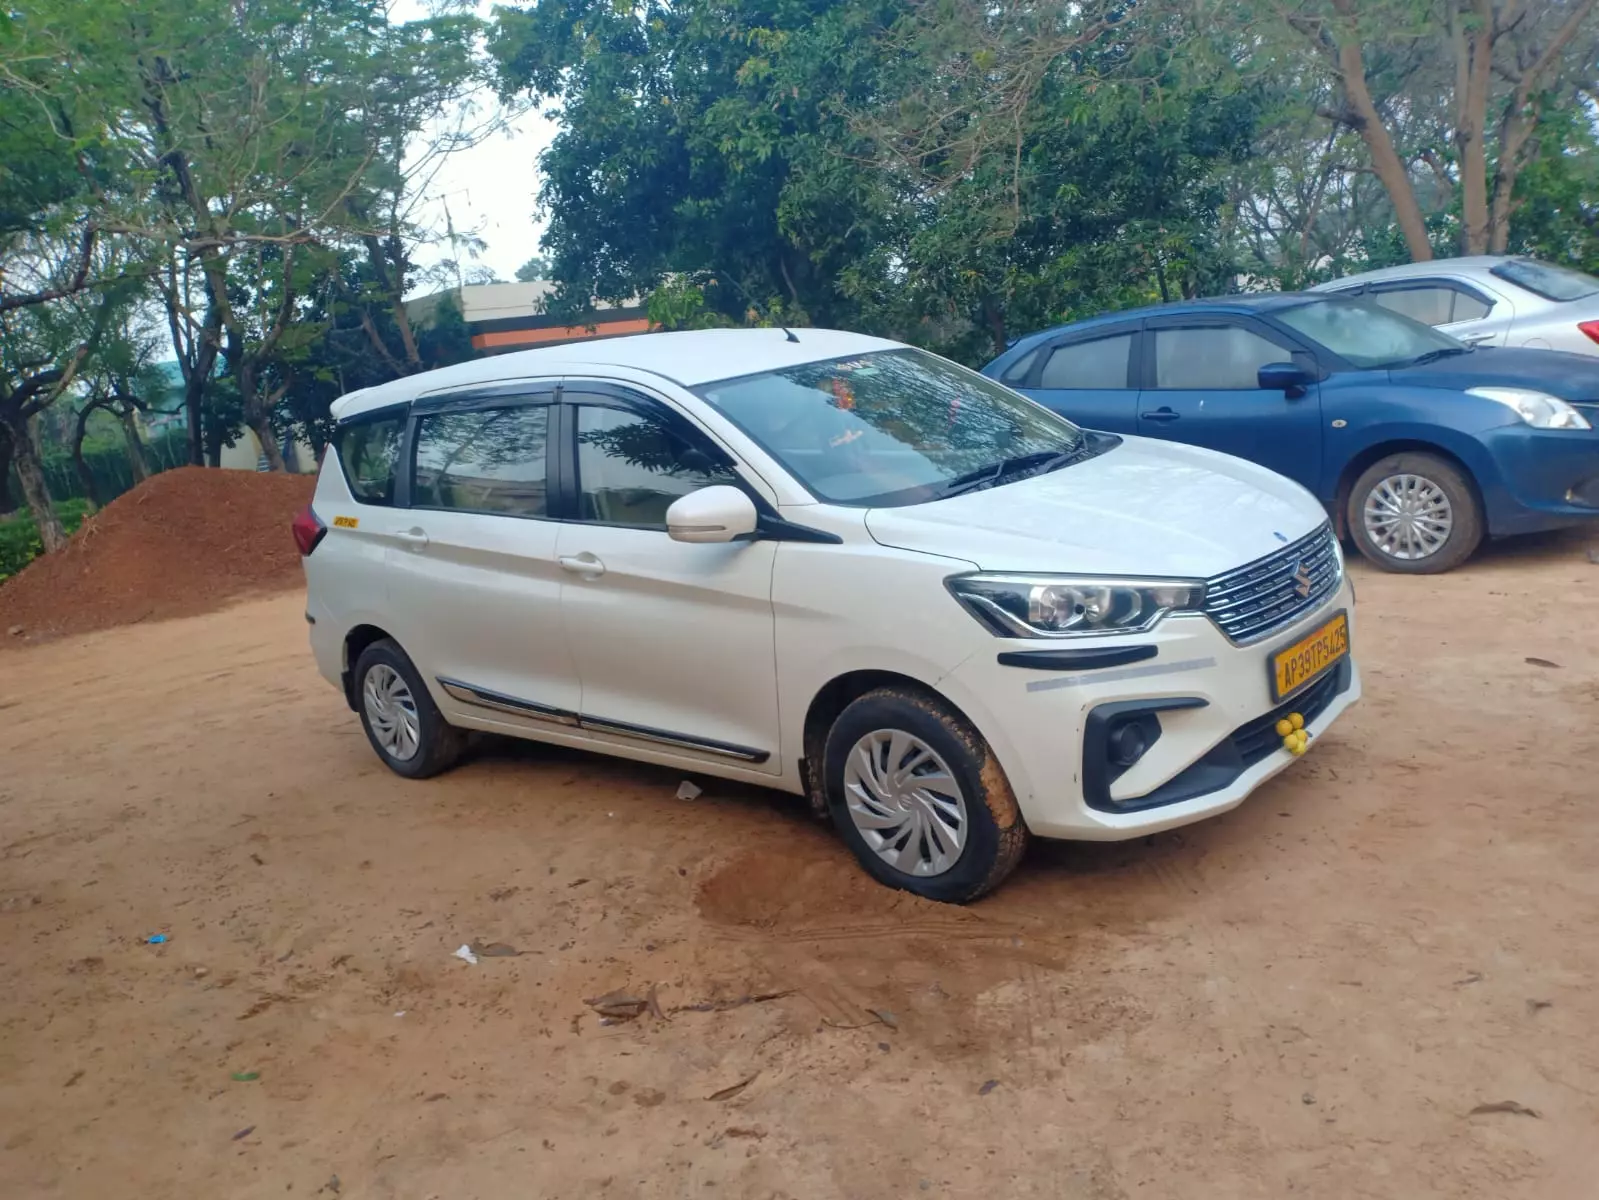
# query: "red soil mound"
185,542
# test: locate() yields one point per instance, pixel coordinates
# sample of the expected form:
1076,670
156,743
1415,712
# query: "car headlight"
1538,409
1051,606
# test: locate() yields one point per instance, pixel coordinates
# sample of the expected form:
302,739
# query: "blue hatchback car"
1418,445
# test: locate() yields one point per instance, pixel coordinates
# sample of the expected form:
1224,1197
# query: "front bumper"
1213,749
1548,478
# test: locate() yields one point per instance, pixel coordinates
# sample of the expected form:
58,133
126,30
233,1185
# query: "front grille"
1261,597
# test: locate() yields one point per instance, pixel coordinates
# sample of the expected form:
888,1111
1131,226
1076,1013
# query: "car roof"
689,358
1474,264
1239,305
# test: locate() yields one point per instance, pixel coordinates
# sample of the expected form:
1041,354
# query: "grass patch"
19,536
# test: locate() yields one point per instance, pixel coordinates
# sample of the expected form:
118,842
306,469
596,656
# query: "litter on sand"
495,950
156,939
1512,1107
687,791
619,1006
465,955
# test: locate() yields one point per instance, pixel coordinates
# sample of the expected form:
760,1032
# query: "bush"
19,536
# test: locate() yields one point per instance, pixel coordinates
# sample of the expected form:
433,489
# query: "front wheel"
1415,514
919,797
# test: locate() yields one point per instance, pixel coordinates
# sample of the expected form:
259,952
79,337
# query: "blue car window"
1017,372
1101,363
1363,334
1226,358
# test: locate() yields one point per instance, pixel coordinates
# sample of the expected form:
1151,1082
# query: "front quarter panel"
1375,411
861,606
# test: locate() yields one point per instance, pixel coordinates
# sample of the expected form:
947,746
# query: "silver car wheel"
391,712
1408,517
905,802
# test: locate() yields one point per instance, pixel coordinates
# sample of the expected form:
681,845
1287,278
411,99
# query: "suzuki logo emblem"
1303,581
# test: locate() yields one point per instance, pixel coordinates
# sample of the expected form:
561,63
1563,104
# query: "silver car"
1489,300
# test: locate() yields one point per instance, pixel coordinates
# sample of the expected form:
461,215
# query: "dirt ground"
1307,997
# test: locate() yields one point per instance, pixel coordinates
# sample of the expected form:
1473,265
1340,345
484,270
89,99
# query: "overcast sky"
489,190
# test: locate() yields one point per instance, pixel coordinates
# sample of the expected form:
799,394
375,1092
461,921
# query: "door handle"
1476,339
585,564
1160,414
412,539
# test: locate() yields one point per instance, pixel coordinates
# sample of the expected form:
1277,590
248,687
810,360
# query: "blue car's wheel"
1415,514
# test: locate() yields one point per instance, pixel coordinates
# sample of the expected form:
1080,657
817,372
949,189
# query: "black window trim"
1297,349
1412,283
1098,333
372,416
583,394
540,394
769,525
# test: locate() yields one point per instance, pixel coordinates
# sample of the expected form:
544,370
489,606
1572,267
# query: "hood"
1568,376
1143,508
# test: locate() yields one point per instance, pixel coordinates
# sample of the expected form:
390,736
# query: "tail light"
308,530
1591,328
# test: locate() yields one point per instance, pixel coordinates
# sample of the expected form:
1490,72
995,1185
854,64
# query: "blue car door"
1201,386
1088,377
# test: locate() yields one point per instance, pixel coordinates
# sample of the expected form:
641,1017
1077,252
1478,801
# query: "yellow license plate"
1293,668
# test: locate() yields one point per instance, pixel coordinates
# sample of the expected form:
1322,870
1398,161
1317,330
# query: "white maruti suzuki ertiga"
834,565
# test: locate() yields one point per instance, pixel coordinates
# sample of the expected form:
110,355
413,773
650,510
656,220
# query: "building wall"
509,316
245,455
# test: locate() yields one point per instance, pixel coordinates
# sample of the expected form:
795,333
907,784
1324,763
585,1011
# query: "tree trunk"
7,506
262,428
1385,161
85,476
995,320
1474,52
256,414
193,391
137,463
30,471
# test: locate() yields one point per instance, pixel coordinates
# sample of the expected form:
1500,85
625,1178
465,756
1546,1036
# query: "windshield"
1365,335
889,428
1546,280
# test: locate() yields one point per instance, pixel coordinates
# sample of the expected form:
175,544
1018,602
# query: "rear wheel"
919,797
1415,514
401,721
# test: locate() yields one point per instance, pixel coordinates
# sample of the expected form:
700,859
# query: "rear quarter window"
369,453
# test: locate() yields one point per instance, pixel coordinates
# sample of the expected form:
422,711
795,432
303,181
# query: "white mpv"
830,564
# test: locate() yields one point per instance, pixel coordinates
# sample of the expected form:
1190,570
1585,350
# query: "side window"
1429,304
1098,364
1470,308
489,461
632,465
369,452
1016,373
1215,356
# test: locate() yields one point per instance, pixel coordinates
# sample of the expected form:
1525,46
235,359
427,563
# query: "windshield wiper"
1435,355
1047,460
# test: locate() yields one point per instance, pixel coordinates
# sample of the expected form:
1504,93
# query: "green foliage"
1558,217
534,270
19,536
744,161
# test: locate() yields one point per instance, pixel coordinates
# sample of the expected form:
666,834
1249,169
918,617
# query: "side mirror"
1284,377
720,513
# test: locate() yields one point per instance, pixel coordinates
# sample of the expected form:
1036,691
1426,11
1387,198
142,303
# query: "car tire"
1401,503
959,837
401,721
